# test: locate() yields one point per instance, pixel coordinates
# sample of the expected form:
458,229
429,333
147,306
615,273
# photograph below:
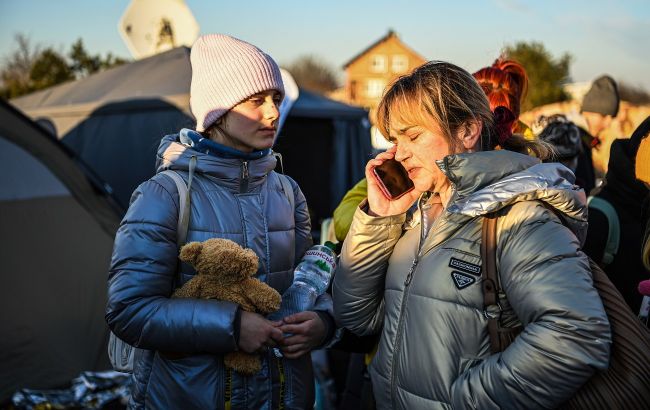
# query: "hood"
174,155
485,182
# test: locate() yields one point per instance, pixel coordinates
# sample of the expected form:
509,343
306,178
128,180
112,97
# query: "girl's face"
252,124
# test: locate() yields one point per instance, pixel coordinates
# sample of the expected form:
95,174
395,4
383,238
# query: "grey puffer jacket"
424,293
234,199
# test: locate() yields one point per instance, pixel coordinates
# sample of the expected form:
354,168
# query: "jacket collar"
485,182
172,154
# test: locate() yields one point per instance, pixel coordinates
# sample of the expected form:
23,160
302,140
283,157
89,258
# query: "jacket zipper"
407,284
400,321
243,185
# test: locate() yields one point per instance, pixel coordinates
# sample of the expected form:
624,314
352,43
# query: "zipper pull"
244,170
409,277
243,186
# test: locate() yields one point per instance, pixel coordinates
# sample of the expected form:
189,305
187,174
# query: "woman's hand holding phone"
378,196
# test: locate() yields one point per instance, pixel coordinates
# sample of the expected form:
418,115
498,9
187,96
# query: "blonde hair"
450,97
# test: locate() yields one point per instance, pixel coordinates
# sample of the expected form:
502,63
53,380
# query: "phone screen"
393,179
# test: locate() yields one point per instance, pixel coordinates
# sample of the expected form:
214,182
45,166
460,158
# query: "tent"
114,120
56,227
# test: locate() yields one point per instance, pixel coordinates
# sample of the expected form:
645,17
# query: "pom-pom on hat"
225,72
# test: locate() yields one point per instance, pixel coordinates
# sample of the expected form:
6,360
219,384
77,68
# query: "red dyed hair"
505,83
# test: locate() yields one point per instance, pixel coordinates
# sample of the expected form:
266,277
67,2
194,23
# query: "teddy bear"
224,271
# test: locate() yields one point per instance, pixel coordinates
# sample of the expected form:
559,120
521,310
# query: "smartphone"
393,179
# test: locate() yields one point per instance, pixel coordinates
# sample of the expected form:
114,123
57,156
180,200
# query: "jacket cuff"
363,214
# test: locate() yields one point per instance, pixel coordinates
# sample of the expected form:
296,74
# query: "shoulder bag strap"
490,282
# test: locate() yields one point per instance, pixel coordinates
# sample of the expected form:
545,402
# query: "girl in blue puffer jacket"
235,93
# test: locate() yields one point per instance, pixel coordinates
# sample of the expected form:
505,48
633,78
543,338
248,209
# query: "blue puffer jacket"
234,199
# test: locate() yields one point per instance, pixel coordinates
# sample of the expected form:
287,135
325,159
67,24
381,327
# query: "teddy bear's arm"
262,296
191,289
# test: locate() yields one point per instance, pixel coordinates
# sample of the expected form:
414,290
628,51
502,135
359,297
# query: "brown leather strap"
488,257
490,282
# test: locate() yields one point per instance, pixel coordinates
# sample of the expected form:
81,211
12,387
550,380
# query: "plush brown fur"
225,271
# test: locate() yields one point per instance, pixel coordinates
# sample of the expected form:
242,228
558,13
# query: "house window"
400,63
374,88
378,63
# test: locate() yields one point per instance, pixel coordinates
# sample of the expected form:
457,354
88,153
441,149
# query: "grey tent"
114,120
56,227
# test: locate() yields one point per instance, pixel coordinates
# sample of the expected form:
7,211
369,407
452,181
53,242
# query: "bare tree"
16,67
313,74
29,68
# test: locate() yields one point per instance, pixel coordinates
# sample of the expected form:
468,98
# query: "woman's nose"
401,153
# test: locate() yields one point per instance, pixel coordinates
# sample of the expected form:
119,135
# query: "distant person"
642,173
599,106
235,93
565,138
622,205
414,276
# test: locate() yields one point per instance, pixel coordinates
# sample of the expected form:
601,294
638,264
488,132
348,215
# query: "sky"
602,36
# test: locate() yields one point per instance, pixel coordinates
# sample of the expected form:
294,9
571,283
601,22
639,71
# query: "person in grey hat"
600,104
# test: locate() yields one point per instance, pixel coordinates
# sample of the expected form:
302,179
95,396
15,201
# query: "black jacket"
630,199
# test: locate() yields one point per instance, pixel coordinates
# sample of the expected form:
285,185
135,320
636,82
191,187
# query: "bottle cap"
330,245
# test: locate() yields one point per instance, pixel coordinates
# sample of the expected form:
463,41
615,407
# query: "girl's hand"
307,332
379,204
257,333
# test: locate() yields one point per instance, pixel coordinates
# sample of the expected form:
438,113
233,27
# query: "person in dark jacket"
630,199
235,93
599,106
642,173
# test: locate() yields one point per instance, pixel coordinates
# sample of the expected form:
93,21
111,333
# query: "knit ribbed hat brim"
225,72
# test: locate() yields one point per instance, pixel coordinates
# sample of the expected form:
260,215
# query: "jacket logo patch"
462,280
465,266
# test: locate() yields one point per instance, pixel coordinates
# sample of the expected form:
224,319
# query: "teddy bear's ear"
190,252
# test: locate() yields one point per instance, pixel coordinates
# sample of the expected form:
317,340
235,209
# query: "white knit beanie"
225,72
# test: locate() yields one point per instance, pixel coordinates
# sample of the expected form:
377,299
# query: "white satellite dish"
150,27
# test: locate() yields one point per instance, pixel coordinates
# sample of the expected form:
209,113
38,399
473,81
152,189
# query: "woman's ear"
470,134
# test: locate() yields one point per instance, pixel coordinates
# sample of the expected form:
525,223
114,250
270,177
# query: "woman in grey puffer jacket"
235,194
414,273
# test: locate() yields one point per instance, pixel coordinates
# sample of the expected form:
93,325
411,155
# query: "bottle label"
322,259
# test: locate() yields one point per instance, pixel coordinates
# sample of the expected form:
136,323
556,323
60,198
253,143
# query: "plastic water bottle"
310,280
